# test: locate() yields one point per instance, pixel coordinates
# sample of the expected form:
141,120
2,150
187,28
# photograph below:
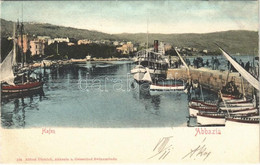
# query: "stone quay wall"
212,80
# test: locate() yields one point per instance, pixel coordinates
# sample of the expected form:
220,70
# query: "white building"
46,38
205,51
84,42
50,41
88,57
116,43
61,39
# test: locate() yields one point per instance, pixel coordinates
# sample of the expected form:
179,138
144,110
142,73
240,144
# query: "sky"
138,16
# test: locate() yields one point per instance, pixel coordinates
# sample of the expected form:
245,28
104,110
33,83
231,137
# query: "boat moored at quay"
152,69
232,110
155,62
234,121
154,59
15,78
211,119
206,113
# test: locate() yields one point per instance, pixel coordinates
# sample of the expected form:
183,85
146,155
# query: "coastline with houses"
129,81
186,72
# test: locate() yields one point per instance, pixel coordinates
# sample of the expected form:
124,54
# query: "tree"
171,52
28,55
81,51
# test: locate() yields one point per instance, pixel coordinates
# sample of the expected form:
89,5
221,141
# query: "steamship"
152,60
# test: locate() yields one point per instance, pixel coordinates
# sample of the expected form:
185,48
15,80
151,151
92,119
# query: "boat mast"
20,30
14,45
184,63
147,44
147,36
243,87
57,48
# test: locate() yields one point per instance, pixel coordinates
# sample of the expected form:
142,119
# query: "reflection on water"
13,112
94,95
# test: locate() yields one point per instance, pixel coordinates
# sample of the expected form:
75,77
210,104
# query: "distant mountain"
44,29
239,41
236,41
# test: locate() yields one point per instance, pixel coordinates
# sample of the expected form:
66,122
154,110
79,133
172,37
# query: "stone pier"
211,79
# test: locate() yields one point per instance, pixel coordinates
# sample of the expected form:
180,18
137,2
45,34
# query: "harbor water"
95,94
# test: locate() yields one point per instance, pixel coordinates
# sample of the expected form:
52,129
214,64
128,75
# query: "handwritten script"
199,151
162,148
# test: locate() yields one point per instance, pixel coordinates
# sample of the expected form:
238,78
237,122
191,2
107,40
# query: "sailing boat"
241,121
141,77
138,69
252,80
235,111
10,83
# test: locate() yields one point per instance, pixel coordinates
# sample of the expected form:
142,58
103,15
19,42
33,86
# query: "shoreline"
50,63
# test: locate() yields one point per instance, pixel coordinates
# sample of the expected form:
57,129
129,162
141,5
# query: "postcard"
129,82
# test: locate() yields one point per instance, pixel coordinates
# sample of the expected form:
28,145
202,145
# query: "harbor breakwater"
212,80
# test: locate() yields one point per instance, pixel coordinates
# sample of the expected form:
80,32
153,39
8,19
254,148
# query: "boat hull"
202,103
226,97
236,108
244,111
238,122
211,119
222,105
134,71
154,87
20,88
194,110
238,101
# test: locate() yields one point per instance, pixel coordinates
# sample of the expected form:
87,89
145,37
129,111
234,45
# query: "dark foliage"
171,52
81,51
6,47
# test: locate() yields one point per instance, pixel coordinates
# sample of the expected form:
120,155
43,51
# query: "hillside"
243,42
54,31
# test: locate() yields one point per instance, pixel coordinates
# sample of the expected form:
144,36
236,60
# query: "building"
194,49
96,41
122,43
167,47
84,42
205,51
50,41
61,39
126,48
71,44
25,41
45,38
130,46
116,43
88,57
37,47
105,42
